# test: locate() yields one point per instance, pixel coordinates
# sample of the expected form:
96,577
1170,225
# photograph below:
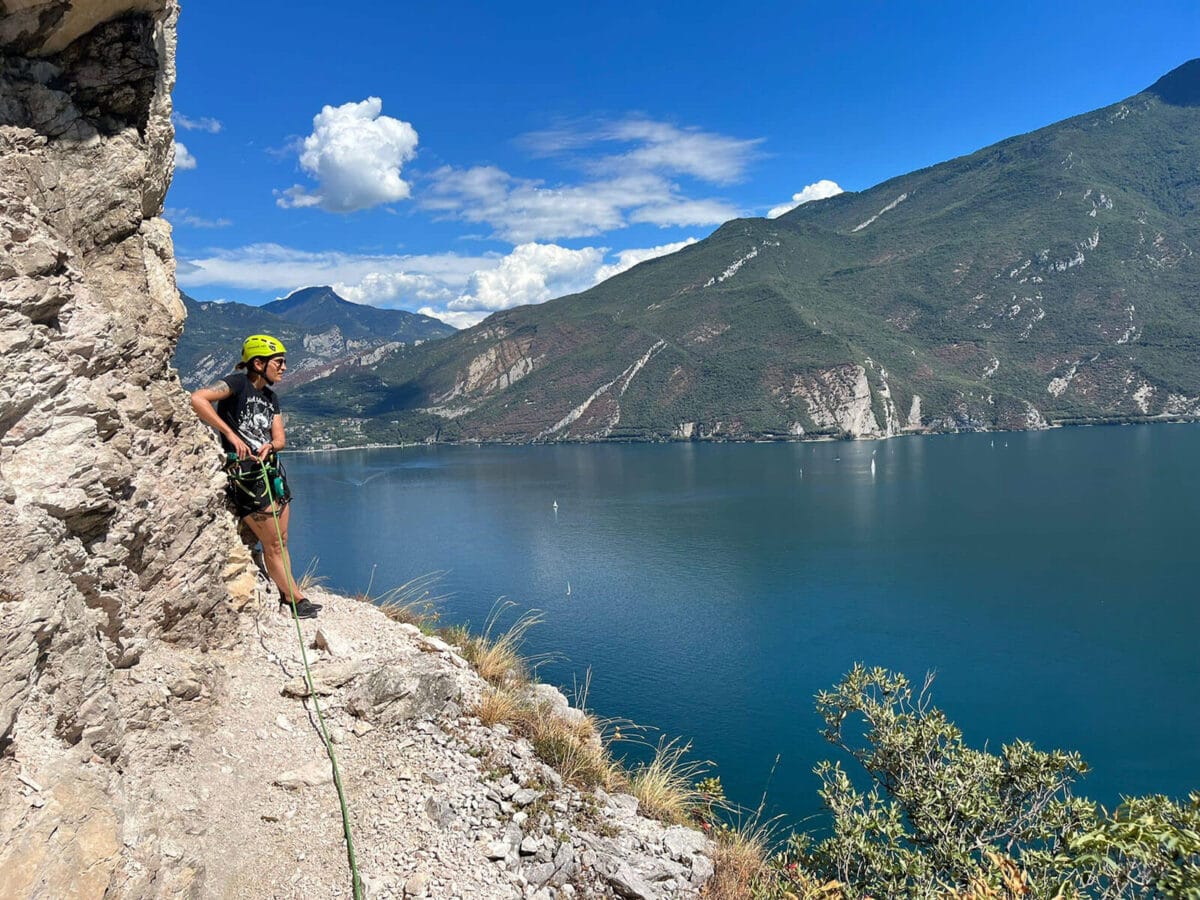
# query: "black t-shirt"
249,411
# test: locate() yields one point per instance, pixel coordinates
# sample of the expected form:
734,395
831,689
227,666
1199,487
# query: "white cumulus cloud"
818,190
455,319
459,290
532,273
627,259
382,288
183,158
355,154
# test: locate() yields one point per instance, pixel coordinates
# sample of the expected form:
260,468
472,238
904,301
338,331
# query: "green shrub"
937,814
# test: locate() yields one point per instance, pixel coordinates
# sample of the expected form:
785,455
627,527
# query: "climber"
245,412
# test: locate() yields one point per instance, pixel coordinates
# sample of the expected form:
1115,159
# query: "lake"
1047,577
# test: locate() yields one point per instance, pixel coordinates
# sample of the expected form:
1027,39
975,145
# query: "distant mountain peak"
319,293
1180,86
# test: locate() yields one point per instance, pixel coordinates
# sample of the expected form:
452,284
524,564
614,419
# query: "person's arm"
204,403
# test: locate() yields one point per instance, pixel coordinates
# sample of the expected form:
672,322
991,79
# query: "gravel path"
441,806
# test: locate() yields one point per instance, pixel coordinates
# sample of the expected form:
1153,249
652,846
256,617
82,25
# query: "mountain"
323,334
319,309
1049,278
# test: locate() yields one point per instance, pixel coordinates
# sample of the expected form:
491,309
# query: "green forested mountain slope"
1048,278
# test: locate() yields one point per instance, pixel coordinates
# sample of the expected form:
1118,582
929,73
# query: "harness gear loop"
275,490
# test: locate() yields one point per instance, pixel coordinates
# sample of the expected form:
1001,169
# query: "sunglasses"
277,361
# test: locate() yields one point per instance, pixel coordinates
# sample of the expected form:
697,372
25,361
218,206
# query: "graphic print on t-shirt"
248,410
254,424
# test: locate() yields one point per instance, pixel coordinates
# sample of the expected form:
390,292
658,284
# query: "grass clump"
666,787
497,707
310,579
498,658
412,603
572,746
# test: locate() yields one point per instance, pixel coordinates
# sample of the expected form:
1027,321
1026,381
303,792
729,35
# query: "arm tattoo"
219,387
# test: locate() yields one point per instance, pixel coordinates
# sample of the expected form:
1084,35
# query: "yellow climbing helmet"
261,345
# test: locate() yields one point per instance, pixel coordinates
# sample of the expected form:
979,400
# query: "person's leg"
275,555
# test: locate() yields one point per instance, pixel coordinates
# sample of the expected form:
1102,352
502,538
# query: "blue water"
1047,577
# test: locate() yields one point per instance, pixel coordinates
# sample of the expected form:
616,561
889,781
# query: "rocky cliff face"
114,537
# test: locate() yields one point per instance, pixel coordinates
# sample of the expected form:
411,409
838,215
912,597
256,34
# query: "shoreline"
1097,423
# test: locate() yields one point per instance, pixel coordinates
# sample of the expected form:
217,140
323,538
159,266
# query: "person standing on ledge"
245,412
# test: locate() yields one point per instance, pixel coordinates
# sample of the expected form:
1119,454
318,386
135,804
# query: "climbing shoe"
304,609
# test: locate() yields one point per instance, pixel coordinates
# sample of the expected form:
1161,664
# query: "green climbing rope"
312,692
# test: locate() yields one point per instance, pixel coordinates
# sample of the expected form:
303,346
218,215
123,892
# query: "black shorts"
249,491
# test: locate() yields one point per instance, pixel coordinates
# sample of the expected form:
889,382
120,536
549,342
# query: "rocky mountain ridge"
323,333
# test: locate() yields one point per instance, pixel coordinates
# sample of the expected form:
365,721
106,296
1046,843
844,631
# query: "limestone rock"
332,643
549,695
327,677
311,774
682,843
393,693
629,883
114,536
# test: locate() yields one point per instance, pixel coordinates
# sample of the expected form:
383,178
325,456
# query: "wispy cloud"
818,190
632,171
185,217
643,144
522,210
212,126
355,154
183,157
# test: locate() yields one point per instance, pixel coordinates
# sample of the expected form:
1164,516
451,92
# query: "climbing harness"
264,483
272,480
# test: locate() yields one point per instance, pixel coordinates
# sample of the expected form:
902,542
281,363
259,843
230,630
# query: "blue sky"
463,158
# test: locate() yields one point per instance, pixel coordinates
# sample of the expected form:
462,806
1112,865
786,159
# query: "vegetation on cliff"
920,814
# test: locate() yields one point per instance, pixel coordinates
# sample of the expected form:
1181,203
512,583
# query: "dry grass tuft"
497,707
310,579
498,660
455,635
741,866
666,786
1002,879
413,603
573,748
